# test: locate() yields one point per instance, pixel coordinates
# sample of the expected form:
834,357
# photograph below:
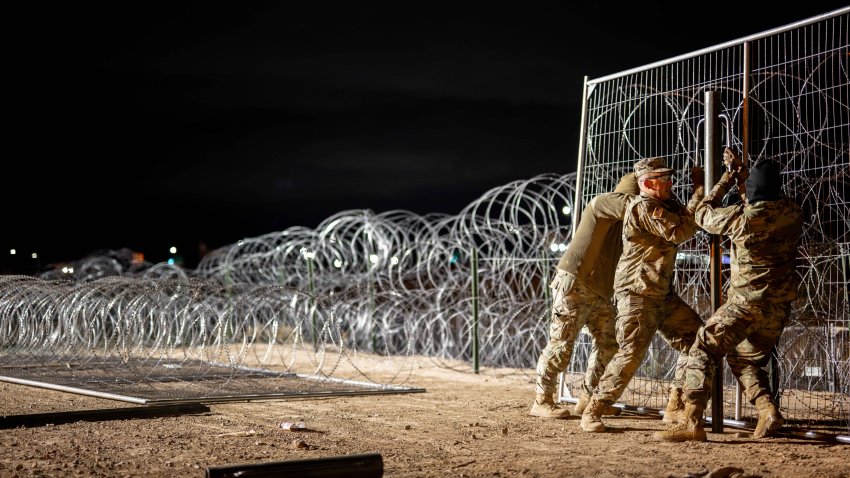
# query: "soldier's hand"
742,174
697,176
731,159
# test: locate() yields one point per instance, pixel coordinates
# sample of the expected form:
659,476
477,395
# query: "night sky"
145,126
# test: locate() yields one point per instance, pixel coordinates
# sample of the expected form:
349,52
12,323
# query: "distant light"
13,252
70,270
393,260
562,247
567,210
64,270
308,254
240,242
553,247
173,250
171,261
454,258
34,255
373,258
337,263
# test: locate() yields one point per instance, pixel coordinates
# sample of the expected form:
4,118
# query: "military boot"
769,418
582,402
691,428
675,407
544,406
591,419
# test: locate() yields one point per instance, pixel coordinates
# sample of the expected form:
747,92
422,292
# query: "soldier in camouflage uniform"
764,230
654,225
581,294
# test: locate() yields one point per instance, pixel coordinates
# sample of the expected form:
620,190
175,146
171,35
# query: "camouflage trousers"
573,307
746,334
638,319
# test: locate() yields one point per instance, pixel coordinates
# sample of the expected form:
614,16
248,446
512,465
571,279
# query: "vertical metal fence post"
712,161
475,309
312,307
576,212
582,147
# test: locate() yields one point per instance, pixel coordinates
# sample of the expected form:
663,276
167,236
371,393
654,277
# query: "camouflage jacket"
764,239
597,243
652,232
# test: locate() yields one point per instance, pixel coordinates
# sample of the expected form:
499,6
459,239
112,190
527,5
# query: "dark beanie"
764,183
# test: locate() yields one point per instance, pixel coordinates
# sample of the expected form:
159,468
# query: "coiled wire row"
392,283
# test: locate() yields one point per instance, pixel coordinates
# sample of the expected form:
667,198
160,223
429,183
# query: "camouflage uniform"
582,290
652,231
763,284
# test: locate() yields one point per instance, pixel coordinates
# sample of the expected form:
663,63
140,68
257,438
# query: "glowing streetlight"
34,255
13,252
567,210
173,250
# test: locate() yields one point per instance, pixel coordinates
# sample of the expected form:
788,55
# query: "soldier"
581,295
654,224
764,230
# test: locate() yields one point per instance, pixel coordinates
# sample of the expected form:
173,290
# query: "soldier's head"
764,182
654,178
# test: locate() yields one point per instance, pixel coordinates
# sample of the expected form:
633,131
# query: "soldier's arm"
719,220
698,180
676,228
611,205
719,190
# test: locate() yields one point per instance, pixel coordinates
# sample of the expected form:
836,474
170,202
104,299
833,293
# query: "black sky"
150,125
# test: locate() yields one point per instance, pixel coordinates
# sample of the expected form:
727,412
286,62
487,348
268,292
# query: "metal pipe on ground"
369,465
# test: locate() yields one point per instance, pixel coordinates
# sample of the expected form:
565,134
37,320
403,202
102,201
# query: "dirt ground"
464,425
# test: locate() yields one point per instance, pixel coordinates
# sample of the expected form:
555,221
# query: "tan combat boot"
675,412
582,402
769,418
544,406
690,429
591,419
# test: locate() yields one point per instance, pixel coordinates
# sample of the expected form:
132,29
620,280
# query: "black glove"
698,176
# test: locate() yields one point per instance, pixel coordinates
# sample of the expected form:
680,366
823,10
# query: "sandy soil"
464,425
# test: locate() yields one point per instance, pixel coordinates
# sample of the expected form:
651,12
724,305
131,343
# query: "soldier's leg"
725,329
679,329
637,322
601,325
568,315
749,358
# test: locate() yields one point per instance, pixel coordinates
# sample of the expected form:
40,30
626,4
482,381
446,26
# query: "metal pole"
312,308
745,151
582,148
745,113
475,309
369,465
577,207
712,161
